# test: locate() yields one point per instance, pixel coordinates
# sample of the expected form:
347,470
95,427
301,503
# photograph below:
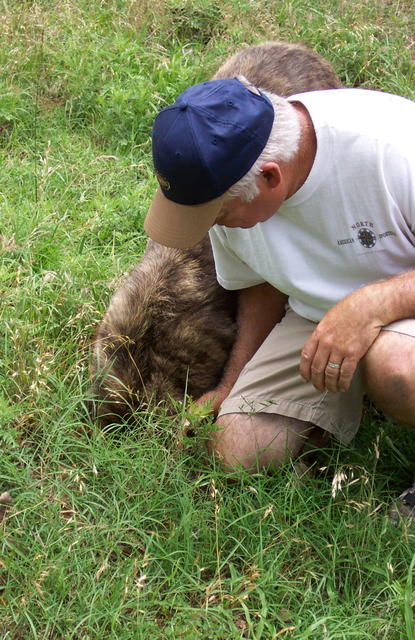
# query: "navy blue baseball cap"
202,145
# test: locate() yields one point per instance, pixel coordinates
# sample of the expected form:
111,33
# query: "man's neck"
300,166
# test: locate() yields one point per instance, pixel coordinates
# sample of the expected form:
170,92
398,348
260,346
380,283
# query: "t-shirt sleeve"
231,271
399,169
398,161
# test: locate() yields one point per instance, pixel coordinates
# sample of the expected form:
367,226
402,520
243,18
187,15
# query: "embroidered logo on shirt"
364,234
367,238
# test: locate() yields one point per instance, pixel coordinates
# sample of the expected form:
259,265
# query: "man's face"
238,213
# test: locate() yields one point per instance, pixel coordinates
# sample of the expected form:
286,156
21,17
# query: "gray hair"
281,147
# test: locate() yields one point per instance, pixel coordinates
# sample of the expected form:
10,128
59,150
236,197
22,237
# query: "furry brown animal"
283,68
168,331
170,327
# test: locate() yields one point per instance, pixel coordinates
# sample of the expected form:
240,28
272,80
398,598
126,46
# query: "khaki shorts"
271,383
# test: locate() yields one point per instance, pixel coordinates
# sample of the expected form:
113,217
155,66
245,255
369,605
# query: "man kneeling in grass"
310,206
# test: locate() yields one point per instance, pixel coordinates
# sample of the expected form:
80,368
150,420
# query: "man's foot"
404,507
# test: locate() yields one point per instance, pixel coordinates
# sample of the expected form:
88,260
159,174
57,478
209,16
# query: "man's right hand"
208,403
213,399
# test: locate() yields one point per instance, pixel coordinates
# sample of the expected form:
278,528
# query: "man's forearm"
259,309
392,299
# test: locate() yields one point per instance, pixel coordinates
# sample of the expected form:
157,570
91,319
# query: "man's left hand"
344,335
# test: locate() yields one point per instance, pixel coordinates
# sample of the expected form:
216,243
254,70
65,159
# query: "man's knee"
389,368
254,441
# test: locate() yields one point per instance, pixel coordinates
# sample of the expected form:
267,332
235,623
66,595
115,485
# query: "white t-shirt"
353,220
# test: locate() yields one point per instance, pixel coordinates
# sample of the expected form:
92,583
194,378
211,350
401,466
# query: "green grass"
124,535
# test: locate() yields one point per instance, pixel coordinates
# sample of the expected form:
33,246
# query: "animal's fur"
168,330
170,327
281,67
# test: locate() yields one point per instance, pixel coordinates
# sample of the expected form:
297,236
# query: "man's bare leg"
389,370
258,441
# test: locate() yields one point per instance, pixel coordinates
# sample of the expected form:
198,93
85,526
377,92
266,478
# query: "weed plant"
123,535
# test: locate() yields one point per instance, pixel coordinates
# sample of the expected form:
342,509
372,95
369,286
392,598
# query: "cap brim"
177,225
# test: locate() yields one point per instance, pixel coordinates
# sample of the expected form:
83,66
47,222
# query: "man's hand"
208,403
212,400
342,338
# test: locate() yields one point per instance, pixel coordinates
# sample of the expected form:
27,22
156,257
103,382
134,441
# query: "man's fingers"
338,378
307,357
346,374
332,373
313,364
326,371
318,375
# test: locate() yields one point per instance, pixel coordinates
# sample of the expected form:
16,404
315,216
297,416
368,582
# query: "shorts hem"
344,432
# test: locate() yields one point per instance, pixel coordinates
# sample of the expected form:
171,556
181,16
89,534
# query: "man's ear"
272,173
